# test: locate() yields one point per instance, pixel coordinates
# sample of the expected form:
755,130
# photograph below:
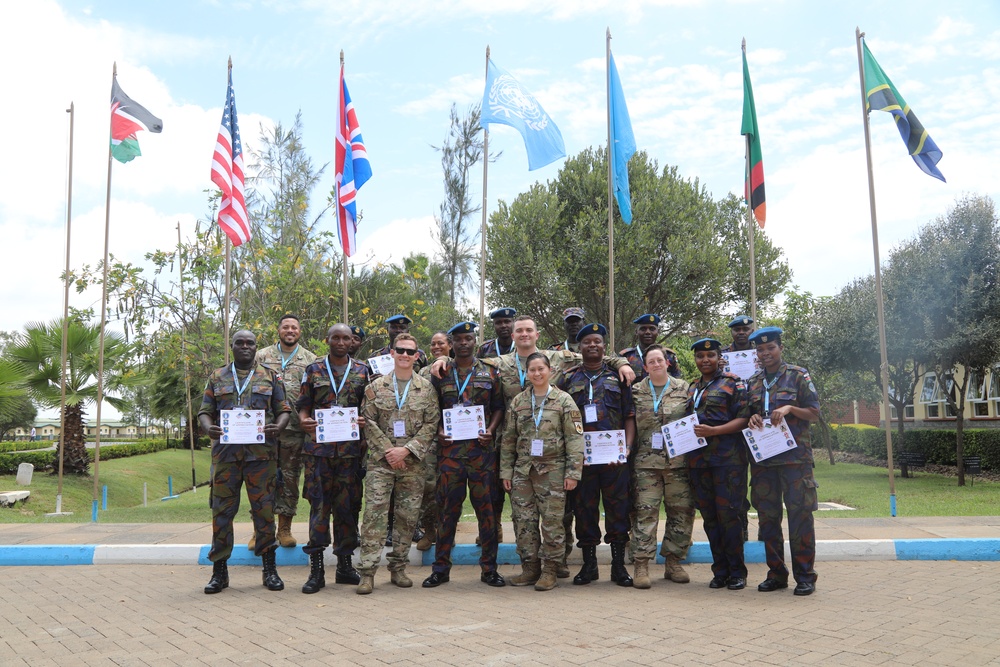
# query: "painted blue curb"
47,554
982,548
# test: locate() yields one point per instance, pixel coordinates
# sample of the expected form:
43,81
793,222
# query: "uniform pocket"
810,498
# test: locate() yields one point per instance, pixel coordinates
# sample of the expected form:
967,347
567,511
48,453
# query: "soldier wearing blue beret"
398,324
647,330
503,326
741,327
358,336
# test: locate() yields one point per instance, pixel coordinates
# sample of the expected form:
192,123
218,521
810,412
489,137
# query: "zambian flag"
882,96
754,186
127,118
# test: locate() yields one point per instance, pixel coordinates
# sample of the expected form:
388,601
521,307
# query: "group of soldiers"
413,478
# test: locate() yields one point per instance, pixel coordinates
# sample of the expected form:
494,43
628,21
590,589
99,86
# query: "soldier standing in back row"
572,321
503,326
647,330
396,325
741,327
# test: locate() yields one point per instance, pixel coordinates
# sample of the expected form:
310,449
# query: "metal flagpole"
611,212
482,232
343,242
750,229
187,374
884,357
65,323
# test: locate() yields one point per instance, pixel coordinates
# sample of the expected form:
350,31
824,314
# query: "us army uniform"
634,357
420,416
429,519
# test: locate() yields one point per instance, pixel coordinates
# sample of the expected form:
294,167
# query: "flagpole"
229,73
611,226
750,229
482,233
65,323
187,374
343,244
104,315
883,354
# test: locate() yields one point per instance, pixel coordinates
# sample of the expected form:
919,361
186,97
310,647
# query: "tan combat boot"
499,533
641,577
367,584
399,578
427,541
284,535
548,580
530,572
252,542
673,571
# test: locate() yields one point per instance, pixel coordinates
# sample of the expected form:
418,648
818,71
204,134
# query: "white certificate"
769,441
337,424
679,437
741,363
382,364
604,447
464,422
242,427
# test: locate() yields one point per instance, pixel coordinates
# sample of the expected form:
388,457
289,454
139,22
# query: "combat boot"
252,542
589,571
317,575
673,571
270,573
399,578
284,535
346,574
619,574
548,580
427,541
220,577
367,584
531,570
562,570
499,533
641,579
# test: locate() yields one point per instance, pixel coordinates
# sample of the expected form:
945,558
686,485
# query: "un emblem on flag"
507,97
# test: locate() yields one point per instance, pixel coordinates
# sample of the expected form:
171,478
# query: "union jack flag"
353,168
227,173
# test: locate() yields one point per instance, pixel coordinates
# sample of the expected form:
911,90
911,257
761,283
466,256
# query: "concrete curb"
966,549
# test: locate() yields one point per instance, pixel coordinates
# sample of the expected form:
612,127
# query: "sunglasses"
406,350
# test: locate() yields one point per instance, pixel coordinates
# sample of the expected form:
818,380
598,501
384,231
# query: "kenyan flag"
127,118
754,188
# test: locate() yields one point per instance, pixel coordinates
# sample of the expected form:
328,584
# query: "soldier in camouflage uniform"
331,481
541,459
741,327
503,325
401,416
782,392
573,319
647,330
606,405
357,339
396,325
243,385
719,469
657,478
291,358
427,526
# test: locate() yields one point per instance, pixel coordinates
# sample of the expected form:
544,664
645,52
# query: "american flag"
227,173
353,168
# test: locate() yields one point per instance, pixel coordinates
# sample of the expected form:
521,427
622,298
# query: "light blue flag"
505,102
622,144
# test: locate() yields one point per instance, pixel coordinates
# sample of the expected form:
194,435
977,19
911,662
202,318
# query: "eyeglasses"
406,350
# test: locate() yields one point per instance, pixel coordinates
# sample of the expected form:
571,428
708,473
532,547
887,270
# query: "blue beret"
502,312
741,321
648,318
463,327
591,329
766,335
358,331
706,344
402,319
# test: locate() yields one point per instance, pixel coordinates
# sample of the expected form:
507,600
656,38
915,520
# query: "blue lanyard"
239,389
406,390
767,395
541,408
509,350
333,380
657,399
521,375
590,381
461,390
284,361
641,358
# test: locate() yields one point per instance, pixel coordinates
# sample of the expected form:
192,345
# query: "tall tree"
16,409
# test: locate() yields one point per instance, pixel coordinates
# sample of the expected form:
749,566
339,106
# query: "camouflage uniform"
538,480
787,476
719,472
235,465
419,364
290,450
601,483
331,482
490,349
428,520
421,414
634,356
566,345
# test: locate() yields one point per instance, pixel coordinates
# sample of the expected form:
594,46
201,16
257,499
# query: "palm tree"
38,350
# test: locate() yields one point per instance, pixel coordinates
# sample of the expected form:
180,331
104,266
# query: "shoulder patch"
579,427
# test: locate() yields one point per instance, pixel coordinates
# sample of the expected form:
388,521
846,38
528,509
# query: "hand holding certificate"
741,363
604,447
242,427
382,364
464,422
337,424
768,441
679,437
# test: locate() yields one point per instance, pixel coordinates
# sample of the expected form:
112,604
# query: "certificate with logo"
242,427
382,364
464,422
741,363
769,441
337,424
679,437
604,447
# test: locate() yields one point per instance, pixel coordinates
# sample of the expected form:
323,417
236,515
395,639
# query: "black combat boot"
346,574
589,571
220,577
270,574
619,574
317,576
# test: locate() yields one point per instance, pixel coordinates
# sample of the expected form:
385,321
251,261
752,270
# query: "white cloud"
394,241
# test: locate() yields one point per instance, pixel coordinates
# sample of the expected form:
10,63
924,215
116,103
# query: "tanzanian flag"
754,186
882,96
127,118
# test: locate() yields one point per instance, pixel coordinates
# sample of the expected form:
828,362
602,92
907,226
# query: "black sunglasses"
406,350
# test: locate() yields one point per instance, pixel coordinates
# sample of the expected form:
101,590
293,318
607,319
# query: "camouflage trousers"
671,488
601,484
720,494
286,499
330,486
794,484
499,495
454,475
228,477
538,503
428,505
380,483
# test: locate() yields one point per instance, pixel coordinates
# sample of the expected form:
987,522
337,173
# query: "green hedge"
132,449
41,461
938,445
26,445
48,459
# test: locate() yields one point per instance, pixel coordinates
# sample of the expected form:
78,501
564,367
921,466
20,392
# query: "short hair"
406,336
537,355
522,318
656,347
288,316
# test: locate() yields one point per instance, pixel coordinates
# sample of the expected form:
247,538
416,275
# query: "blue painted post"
104,497
170,485
93,512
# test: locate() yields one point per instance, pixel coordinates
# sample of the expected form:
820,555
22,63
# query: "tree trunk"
960,446
75,459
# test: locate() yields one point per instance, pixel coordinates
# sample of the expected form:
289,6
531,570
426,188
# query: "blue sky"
408,61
